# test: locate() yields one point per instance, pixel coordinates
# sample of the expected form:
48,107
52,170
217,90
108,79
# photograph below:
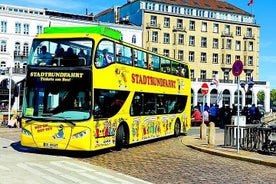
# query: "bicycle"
251,141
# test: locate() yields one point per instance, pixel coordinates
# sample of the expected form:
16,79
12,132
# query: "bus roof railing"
103,30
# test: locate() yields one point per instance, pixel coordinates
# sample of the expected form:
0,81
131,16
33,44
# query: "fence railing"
252,137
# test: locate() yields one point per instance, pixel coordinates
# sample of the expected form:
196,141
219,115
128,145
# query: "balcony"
179,29
226,34
20,55
249,36
153,26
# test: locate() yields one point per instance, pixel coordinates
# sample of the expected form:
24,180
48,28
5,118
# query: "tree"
260,97
273,96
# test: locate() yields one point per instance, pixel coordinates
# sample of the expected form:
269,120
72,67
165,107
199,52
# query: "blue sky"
263,11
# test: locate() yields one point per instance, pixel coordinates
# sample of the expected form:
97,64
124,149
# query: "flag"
250,2
215,80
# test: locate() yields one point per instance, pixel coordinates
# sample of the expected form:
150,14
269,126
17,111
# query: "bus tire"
121,138
177,128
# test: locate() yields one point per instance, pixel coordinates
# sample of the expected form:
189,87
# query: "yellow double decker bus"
86,90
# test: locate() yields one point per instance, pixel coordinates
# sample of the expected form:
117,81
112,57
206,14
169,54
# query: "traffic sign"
204,88
237,68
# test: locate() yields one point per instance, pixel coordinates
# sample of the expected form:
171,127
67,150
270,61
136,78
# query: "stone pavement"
194,141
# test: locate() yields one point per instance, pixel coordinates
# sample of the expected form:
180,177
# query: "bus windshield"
60,94
65,52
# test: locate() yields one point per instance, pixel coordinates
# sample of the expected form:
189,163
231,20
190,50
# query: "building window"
215,59
226,76
249,32
17,49
192,26
191,41
250,60
153,21
26,29
39,29
237,57
25,49
215,75
215,28
228,59
215,43
192,74
133,39
203,74
191,56
155,36
203,57
17,28
179,23
166,38
203,42
166,22
238,45
3,47
181,39
250,46
166,52
228,44
204,27
227,30
181,55
154,49
3,26
238,31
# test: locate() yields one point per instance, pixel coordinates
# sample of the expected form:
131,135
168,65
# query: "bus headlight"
80,134
26,132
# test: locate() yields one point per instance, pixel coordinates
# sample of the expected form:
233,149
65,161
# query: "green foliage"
261,97
273,96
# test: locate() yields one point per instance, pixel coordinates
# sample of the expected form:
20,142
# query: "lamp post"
247,86
9,86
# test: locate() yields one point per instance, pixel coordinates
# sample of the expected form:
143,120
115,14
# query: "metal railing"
252,137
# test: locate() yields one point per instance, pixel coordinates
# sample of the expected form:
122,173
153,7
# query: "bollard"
203,131
212,134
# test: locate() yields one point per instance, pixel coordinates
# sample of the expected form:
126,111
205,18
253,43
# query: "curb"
237,156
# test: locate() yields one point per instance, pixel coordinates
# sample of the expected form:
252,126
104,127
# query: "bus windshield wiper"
65,119
51,115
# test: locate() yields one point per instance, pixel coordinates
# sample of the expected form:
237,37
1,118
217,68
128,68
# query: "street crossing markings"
40,174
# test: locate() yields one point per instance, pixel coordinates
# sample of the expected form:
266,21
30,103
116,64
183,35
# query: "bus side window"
105,54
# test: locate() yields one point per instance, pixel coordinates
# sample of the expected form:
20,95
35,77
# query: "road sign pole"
238,120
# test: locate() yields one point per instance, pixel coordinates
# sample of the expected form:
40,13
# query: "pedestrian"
213,114
12,123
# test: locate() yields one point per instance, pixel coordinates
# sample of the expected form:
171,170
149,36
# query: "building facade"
19,25
210,35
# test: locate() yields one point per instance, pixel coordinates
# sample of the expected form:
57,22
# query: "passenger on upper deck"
44,58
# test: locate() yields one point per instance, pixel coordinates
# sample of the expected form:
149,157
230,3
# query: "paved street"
25,165
165,161
169,161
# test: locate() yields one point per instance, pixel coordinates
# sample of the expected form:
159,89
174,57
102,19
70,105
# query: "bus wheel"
177,128
120,138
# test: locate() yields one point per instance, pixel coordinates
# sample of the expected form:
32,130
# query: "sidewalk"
194,141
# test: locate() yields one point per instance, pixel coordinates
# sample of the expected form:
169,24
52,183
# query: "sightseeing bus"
87,90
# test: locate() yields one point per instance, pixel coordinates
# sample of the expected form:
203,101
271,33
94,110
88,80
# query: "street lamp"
9,86
247,86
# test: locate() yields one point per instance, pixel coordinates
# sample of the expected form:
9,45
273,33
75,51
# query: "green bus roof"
103,30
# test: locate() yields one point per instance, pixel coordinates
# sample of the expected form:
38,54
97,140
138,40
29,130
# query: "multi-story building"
210,35
19,25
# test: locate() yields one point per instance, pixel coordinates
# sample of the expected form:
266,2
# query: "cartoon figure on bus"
121,75
135,129
60,134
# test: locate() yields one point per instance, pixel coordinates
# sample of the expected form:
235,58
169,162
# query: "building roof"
216,5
